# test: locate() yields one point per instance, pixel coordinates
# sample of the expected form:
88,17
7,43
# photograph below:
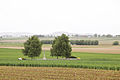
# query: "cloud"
46,16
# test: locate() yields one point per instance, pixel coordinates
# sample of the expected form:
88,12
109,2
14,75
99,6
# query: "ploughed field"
9,57
48,73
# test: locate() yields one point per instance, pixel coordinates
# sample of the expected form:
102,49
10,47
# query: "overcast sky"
47,16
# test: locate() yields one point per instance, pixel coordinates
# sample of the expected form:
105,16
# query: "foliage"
116,43
75,42
84,42
47,41
61,47
72,57
32,47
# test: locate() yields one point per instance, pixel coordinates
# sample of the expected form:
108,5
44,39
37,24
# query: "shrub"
72,57
116,43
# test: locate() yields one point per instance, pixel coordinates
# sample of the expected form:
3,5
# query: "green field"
9,57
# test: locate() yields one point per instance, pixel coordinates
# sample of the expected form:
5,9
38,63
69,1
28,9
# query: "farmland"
105,45
103,41
9,57
48,73
97,62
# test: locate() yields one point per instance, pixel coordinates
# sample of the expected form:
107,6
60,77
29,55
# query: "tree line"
85,42
75,42
46,41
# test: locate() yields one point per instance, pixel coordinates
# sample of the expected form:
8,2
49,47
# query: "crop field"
9,57
48,73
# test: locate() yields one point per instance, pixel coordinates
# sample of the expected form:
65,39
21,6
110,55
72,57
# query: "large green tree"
32,47
61,47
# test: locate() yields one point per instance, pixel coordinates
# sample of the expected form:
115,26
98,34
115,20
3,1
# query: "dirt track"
112,50
97,50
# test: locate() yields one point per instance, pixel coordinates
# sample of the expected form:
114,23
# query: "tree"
96,42
61,47
32,47
52,50
109,35
116,43
95,35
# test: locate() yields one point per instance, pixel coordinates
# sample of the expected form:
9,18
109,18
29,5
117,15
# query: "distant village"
22,35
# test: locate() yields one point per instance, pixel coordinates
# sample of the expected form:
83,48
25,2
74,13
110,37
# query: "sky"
73,16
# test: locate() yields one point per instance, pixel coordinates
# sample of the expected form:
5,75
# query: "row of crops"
64,63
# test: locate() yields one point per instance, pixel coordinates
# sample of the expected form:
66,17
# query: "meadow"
9,57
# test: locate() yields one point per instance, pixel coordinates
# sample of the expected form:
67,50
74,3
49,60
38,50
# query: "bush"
72,57
116,43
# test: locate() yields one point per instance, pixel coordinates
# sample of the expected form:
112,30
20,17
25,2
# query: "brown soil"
97,50
49,73
112,50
